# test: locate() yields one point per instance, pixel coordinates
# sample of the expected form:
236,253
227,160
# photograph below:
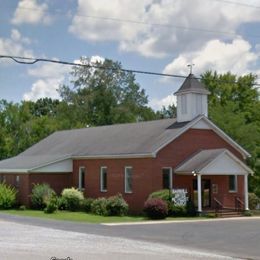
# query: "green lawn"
79,216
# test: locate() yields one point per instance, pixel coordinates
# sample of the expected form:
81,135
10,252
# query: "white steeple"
192,99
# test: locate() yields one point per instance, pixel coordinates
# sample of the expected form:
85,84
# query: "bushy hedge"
156,208
161,194
7,196
72,199
253,200
117,206
52,205
86,204
41,194
99,207
112,206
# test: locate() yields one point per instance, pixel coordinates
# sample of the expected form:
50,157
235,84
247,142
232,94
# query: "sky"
152,35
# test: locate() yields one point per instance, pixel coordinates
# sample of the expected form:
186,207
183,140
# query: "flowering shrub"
99,207
72,198
156,208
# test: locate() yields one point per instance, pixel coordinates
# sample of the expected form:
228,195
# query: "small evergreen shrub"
191,209
7,196
161,194
253,200
117,206
61,203
52,205
99,207
156,208
86,205
41,194
248,213
72,198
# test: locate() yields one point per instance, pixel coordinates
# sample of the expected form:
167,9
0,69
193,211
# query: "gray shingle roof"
142,138
198,161
192,84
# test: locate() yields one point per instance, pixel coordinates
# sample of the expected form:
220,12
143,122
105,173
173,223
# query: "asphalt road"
32,237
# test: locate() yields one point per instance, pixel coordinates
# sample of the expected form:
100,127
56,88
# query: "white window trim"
127,167
101,178
80,177
235,190
169,168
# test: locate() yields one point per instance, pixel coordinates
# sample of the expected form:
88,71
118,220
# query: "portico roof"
213,162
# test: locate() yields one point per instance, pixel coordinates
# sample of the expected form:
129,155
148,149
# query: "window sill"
128,192
103,191
232,191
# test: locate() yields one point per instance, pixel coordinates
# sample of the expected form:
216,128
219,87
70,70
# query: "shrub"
99,207
117,206
253,200
86,204
41,194
156,208
191,209
248,213
52,205
61,203
178,211
161,194
22,207
72,198
7,196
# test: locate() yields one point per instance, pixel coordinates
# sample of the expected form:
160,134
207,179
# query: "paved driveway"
238,238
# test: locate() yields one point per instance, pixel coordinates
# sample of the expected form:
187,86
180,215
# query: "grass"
83,217
256,212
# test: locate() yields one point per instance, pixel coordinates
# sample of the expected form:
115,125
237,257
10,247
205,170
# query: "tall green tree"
104,95
234,106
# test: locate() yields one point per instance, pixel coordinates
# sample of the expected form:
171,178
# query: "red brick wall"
147,173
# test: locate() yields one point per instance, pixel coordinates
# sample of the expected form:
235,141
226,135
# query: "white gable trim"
207,169
213,127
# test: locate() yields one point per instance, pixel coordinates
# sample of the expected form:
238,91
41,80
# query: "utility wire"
30,61
164,25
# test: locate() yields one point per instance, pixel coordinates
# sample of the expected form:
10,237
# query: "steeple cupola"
192,99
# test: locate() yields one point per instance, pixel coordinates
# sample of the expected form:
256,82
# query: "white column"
246,191
199,193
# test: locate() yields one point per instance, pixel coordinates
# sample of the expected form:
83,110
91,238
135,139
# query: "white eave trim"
216,129
115,156
14,171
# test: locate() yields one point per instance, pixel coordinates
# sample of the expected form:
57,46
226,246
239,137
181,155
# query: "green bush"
61,203
99,207
156,208
72,198
178,211
248,213
117,206
86,204
41,194
253,200
52,205
161,194
7,196
191,209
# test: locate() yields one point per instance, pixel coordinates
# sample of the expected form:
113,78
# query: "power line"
238,3
30,61
167,26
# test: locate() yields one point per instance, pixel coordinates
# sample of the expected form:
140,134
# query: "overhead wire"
31,61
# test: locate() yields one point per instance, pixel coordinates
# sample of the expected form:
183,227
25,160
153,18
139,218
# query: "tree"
169,112
234,106
101,96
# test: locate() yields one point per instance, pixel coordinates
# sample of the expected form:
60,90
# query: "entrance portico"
208,164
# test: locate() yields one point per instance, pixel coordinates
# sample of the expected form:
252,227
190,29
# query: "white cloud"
31,12
15,45
236,56
157,103
157,41
49,77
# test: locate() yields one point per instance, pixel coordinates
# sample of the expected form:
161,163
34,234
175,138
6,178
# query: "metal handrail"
218,205
238,203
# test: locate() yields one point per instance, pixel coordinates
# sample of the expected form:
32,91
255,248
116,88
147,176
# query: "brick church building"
188,152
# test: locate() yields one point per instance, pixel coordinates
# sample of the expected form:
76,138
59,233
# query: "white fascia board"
233,157
116,156
14,171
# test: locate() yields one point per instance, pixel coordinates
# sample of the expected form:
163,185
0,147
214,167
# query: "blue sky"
151,35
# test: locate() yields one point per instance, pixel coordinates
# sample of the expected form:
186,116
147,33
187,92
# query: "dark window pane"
166,178
232,182
82,178
128,180
103,179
